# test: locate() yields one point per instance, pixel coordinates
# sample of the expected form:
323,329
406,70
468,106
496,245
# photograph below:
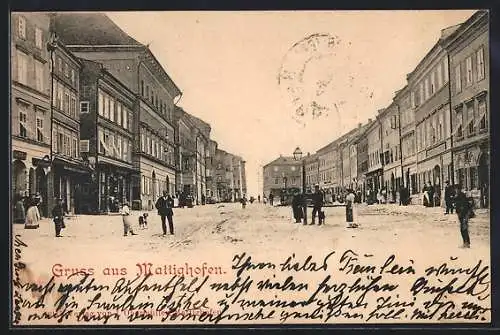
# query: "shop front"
115,184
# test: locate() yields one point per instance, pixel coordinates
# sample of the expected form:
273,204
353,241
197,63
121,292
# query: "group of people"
27,210
432,196
164,205
299,204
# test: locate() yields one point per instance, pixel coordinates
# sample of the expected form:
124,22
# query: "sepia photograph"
218,168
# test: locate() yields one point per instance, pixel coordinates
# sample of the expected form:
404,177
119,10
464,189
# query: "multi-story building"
70,175
223,175
468,50
406,125
30,107
201,136
211,170
282,176
312,169
186,174
361,143
374,174
328,157
107,123
137,68
389,118
428,85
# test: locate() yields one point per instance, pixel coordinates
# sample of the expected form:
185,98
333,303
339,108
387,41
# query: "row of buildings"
94,118
436,129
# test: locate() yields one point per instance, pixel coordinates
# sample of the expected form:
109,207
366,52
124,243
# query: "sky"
268,82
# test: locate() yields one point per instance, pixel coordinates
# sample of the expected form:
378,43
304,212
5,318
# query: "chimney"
369,120
359,125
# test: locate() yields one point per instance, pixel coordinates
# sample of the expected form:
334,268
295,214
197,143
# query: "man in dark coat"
58,216
297,207
164,206
317,202
464,208
449,194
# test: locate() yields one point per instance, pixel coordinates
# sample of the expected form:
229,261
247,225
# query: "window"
460,120
119,113
66,70
129,156
130,118
143,185
480,64
39,130
66,102
468,69
470,119
84,107
412,99
39,77
433,83
101,104
111,109
142,87
22,67
21,27
23,129
482,114
125,117
143,142
60,142
125,150
422,93
439,71
147,92
458,79
74,148
73,77
38,38
72,106
106,106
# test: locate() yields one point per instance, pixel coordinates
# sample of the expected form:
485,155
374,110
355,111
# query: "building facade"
468,50
70,174
312,170
282,176
429,86
374,175
30,108
107,138
406,125
138,69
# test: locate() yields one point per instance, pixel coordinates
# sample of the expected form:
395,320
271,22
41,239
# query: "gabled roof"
283,160
89,29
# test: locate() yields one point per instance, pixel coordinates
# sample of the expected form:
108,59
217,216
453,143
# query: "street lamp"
297,155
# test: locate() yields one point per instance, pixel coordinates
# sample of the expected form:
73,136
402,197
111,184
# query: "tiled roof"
90,29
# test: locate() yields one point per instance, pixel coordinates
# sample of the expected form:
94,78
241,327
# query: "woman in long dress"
349,209
32,216
19,211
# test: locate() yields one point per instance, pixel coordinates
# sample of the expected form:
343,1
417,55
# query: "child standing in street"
127,220
58,216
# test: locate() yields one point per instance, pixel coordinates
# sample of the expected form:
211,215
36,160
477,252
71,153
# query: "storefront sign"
21,155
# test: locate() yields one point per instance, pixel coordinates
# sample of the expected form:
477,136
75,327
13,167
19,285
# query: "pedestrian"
58,216
32,215
243,201
317,202
464,209
449,194
19,211
258,198
349,209
271,198
127,219
164,206
297,210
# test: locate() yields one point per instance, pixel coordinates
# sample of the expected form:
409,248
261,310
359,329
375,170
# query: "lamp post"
297,155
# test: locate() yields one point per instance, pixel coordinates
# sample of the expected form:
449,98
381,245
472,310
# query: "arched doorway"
484,179
19,175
